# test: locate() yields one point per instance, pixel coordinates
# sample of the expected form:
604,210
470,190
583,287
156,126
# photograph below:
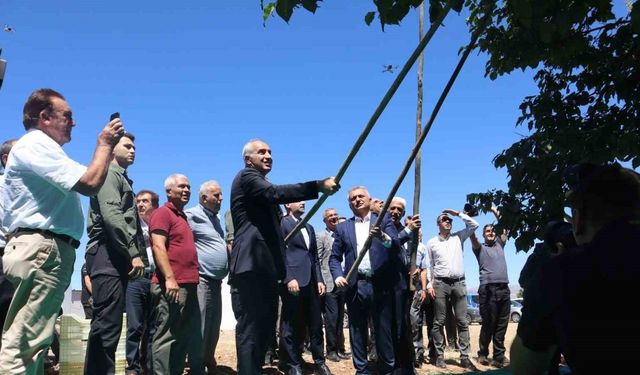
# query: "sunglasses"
446,219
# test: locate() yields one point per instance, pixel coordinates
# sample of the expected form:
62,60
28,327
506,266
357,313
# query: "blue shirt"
210,244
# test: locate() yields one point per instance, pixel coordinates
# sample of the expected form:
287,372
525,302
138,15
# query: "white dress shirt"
362,226
37,190
445,254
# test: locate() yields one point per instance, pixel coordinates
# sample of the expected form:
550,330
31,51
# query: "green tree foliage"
389,12
587,110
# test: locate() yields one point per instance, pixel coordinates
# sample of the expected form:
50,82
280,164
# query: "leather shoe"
294,370
500,363
466,363
344,355
440,363
483,360
322,369
333,357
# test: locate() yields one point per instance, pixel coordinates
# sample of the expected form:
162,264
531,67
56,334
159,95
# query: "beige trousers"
40,268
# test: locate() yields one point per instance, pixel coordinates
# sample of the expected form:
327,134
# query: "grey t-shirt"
492,263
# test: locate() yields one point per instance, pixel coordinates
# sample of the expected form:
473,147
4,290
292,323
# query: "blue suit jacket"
387,266
302,262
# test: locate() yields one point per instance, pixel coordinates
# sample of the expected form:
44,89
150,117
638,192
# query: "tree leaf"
310,5
267,12
369,17
284,8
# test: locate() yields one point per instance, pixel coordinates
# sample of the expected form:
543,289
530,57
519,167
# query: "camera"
559,232
470,209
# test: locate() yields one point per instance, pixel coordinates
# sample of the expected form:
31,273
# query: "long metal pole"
374,118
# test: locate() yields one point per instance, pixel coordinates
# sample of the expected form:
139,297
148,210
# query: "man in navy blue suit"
257,259
301,291
374,291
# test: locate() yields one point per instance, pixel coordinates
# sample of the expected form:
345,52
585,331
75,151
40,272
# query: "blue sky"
195,80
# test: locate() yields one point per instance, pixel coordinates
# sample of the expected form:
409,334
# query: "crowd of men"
164,265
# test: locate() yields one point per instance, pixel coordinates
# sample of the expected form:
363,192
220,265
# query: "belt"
362,276
47,233
450,280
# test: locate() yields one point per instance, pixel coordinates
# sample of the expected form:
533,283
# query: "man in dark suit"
257,259
380,278
301,291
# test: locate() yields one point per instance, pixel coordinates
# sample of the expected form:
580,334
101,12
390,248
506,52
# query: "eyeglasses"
68,115
447,219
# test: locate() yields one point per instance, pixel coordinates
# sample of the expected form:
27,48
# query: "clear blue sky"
195,80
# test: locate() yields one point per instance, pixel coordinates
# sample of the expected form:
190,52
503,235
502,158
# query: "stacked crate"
74,332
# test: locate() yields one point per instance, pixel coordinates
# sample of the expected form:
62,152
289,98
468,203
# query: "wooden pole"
418,144
374,118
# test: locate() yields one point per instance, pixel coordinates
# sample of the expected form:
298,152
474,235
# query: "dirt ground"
226,356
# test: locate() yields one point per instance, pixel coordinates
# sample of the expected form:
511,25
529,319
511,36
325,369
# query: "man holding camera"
448,282
45,222
580,286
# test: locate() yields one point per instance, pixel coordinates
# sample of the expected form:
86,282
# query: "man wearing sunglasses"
45,223
448,282
584,288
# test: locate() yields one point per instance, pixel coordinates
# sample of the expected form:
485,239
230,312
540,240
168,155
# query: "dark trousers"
301,314
177,331
450,329
421,314
106,325
363,302
210,301
254,300
456,292
495,307
140,326
333,308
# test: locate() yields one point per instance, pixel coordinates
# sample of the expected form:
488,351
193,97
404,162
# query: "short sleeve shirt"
180,245
37,189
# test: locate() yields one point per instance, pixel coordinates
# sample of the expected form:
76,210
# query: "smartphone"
114,116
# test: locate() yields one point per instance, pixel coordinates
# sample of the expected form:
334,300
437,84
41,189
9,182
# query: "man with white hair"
213,260
174,284
258,254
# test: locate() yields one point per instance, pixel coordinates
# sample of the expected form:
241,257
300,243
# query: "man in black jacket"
257,259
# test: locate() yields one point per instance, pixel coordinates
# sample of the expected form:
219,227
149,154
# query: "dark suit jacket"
387,266
258,244
302,262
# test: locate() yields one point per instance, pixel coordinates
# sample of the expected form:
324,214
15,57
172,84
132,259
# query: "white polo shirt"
37,189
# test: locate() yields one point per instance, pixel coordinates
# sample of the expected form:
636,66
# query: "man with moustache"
302,288
140,323
333,301
258,258
213,260
448,282
373,291
112,257
174,284
45,223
